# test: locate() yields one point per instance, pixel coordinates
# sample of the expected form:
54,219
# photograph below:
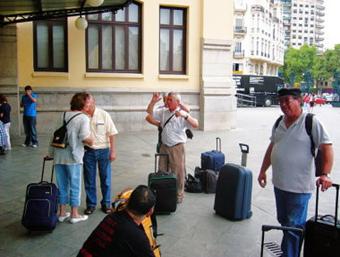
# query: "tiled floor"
194,230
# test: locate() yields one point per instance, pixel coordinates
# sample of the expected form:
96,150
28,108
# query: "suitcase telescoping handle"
244,151
218,144
336,204
159,155
46,158
266,228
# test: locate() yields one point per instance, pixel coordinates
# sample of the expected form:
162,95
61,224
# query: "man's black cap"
289,91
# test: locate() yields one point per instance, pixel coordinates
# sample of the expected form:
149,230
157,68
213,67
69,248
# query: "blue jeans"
30,130
91,158
291,212
69,183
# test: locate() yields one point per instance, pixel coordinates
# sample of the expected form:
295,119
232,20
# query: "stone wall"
126,107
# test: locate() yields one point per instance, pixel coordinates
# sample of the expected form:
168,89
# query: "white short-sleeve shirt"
291,157
102,127
174,131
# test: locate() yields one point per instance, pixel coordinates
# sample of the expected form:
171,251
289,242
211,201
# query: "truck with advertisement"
263,89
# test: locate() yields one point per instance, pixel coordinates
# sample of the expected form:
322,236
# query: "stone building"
159,45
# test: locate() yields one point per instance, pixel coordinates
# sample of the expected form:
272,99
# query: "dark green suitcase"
164,186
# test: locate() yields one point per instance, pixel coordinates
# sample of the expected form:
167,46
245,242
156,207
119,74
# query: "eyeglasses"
286,100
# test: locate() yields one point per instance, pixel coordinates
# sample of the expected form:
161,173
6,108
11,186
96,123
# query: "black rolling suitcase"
164,185
323,232
272,247
40,210
233,192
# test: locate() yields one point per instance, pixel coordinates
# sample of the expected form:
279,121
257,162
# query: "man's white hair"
177,96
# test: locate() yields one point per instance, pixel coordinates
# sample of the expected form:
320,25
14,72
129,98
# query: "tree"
297,62
329,67
320,70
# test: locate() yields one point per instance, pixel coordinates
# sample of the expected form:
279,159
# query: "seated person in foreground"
121,233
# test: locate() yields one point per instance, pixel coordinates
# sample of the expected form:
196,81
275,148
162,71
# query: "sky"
332,23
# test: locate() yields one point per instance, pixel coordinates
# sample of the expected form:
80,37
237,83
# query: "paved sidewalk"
194,230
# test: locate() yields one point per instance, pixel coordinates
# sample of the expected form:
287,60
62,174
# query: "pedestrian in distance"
174,122
68,161
121,233
3,139
306,99
311,102
293,172
101,154
5,117
29,103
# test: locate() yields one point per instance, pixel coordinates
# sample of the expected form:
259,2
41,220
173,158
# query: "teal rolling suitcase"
233,192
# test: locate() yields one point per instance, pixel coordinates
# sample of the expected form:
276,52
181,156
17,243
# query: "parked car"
328,96
319,100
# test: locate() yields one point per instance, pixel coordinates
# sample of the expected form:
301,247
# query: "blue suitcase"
40,210
213,160
233,192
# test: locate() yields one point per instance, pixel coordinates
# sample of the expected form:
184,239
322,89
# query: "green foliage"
298,61
306,59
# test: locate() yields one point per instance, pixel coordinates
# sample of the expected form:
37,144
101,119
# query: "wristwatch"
325,174
186,117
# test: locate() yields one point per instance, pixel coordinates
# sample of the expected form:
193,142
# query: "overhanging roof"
14,11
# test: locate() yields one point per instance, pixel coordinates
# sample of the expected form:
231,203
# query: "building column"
218,101
8,72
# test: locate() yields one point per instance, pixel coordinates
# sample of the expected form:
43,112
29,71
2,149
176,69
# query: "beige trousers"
176,165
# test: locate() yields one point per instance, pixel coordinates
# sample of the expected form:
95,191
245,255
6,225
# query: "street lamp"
81,23
94,3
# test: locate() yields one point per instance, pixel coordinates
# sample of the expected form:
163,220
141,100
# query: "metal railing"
238,54
244,100
240,29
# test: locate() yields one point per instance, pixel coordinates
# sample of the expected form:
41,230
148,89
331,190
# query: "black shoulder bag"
59,139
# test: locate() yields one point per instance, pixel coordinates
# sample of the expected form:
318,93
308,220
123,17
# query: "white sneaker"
63,218
79,219
34,146
24,145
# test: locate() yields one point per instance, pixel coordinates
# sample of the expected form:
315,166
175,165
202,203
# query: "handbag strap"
77,114
167,121
160,128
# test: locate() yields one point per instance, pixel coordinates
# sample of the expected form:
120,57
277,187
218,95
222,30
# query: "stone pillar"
8,72
218,101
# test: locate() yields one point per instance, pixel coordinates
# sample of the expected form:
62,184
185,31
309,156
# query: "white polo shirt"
174,131
102,127
291,157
